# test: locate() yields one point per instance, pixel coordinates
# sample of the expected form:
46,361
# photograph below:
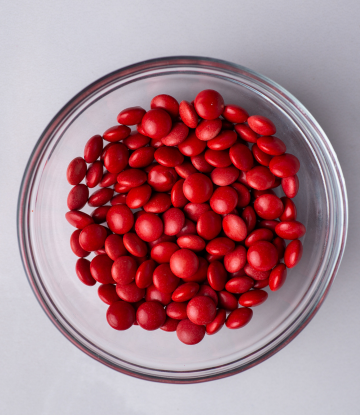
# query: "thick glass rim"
333,260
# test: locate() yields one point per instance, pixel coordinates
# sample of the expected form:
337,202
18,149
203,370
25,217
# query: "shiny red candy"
150,315
262,256
197,188
239,318
131,116
209,104
293,253
92,237
261,125
149,227
188,114
187,222
189,332
156,123
224,200
235,114
185,292
120,315
217,323
208,129
184,263
166,102
201,310
123,270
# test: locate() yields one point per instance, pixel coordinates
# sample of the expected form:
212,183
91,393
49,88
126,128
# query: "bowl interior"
78,309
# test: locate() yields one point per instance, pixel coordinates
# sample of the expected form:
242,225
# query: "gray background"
50,50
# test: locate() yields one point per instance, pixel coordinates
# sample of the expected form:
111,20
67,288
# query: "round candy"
150,315
120,315
224,200
184,263
120,219
149,227
190,333
262,256
198,188
209,104
201,310
156,123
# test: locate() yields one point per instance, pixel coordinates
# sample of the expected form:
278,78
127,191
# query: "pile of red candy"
194,228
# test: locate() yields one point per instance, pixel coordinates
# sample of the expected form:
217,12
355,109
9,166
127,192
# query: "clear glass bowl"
76,310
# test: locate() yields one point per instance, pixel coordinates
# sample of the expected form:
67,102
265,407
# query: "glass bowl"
76,310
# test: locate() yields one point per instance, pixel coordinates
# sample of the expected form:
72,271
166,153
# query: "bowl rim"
67,109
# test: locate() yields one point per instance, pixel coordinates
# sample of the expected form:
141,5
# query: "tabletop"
49,51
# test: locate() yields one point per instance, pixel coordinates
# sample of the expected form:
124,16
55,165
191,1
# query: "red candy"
208,129
131,116
235,114
262,256
93,149
100,268
260,178
75,245
161,252
209,104
77,197
150,315
277,277
76,171
185,292
217,275
120,315
261,125
290,185
156,123
149,227
234,227
190,333
217,323
166,102
284,166
158,203
184,263
224,200
123,270
239,318
201,310
107,293
174,220
164,280
208,233
82,270
92,237
241,157
268,206
197,188
253,298
223,140
209,225
293,253
162,178
144,274
116,158
239,285
234,261
117,133
188,114
120,219
177,135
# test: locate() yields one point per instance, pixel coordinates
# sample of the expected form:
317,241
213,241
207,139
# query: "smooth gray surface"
49,51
